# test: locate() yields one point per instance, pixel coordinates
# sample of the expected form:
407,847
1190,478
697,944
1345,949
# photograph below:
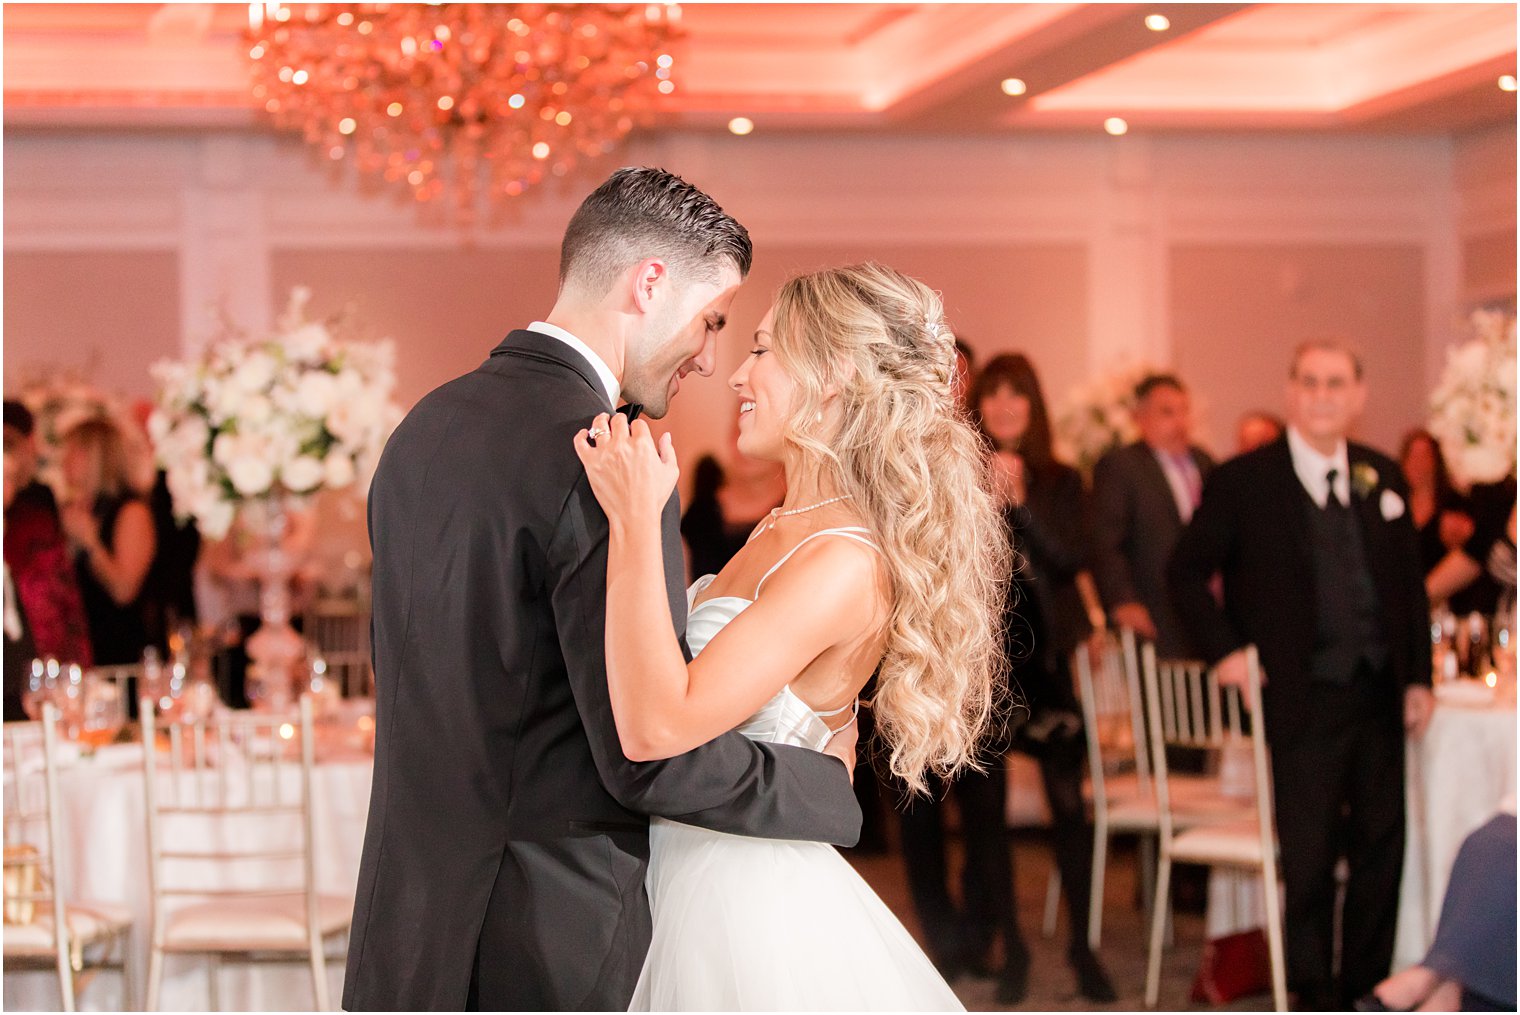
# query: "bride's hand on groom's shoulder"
631,474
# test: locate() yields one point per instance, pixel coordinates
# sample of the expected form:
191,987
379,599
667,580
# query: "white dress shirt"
1182,476
603,371
1313,469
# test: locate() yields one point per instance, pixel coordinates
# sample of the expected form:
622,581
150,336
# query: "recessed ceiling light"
1014,86
741,125
1158,22
1507,82
1116,125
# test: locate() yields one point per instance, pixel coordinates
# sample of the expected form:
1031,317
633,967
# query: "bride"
888,552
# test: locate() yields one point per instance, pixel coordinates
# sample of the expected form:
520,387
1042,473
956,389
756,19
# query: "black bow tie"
632,410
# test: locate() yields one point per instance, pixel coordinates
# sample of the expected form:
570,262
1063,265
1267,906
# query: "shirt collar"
603,371
1312,467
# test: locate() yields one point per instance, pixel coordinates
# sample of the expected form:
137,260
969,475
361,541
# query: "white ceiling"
899,67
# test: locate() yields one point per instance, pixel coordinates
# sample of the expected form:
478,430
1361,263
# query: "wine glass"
39,687
68,696
103,710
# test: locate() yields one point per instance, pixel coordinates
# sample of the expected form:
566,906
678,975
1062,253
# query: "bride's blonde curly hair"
918,471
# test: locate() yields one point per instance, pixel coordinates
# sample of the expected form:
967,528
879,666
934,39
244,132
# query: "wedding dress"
771,925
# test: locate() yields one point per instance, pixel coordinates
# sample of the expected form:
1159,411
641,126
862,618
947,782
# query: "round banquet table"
1457,777
103,818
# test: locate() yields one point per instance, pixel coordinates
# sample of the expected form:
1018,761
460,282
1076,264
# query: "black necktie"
1331,497
632,410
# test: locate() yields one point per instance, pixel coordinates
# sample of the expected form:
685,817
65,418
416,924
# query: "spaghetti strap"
855,532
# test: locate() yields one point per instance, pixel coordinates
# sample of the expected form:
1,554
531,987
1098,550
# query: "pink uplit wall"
444,309
99,315
1484,172
1238,312
1212,254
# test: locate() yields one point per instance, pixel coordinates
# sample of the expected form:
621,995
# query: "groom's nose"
707,356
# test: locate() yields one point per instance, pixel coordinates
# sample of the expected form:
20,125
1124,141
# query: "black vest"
1348,625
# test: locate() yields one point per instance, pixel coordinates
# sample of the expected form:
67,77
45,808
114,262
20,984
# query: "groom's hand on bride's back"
842,746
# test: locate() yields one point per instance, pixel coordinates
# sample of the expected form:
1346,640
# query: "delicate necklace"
777,513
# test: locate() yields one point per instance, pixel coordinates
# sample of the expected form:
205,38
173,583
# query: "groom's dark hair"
644,212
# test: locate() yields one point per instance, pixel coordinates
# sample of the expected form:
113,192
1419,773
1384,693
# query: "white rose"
303,473
225,401
339,466
255,373
250,474
306,342
225,448
256,410
314,394
216,519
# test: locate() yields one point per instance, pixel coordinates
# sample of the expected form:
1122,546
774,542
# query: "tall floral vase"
275,650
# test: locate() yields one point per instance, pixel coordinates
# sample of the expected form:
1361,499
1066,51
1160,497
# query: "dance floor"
1051,985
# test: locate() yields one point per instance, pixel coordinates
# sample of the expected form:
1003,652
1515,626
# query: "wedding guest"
110,530
36,553
1442,516
1471,964
1143,494
1321,572
1256,428
20,649
728,500
1045,620
169,590
1486,561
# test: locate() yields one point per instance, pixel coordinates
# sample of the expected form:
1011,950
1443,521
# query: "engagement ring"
596,433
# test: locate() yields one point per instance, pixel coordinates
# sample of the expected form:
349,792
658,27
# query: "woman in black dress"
110,530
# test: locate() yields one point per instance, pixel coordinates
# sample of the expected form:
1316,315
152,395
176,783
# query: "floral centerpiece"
1098,415
255,418
1472,411
254,423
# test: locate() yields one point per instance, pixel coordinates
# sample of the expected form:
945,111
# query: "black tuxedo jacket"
1135,525
1253,529
505,821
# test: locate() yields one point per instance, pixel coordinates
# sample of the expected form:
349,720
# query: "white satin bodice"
786,718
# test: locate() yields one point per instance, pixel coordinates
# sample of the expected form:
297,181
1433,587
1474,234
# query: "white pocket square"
1392,505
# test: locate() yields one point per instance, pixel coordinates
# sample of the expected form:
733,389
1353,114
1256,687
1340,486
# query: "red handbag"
1233,966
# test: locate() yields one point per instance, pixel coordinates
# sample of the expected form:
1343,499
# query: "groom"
504,859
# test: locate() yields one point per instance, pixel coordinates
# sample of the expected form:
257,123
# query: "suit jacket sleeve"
1112,516
1201,551
731,784
1412,573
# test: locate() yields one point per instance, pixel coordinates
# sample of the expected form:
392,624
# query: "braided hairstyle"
917,469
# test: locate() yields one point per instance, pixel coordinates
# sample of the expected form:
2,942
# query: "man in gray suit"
1143,496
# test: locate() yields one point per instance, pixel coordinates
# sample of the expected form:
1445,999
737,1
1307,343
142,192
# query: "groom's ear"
650,280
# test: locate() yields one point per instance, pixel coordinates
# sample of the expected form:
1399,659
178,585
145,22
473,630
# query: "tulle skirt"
744,924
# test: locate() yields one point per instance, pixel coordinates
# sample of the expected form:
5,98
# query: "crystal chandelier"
465,99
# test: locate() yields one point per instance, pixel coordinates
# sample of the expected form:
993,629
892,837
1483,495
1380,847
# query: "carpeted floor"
1051,985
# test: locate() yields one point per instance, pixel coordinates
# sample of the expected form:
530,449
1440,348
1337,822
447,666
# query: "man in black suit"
1143,494
1321,572
504,859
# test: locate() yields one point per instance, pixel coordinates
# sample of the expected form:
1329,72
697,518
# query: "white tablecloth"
104,826
1457,777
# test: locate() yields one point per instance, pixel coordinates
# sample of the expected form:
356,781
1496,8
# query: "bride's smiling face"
765,397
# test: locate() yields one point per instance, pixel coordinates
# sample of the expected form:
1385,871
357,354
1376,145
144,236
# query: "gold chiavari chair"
1186,706
230,847
41,929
